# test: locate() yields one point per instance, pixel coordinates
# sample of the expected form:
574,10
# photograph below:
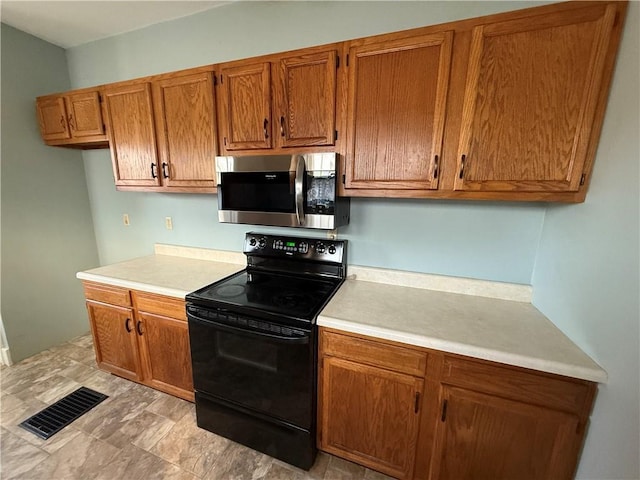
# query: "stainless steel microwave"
281,190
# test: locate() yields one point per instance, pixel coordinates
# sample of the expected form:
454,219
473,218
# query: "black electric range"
254,344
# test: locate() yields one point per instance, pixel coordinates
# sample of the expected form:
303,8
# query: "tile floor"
137,433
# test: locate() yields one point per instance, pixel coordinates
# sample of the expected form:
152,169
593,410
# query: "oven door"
260,366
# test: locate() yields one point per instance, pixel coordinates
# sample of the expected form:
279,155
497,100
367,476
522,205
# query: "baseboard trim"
5,356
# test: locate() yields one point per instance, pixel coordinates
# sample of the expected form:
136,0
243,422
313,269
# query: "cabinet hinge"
337,61
335,135
444,411
583,178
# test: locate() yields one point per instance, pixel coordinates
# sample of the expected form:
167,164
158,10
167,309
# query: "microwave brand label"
270,177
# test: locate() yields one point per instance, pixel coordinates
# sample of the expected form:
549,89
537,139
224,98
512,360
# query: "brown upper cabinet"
162,133
245,107
505,107
72,119
281,102
396,111
530,100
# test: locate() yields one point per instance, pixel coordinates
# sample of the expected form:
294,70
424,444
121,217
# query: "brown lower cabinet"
141,336
415,413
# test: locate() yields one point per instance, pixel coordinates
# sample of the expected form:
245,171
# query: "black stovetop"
283,295
287,280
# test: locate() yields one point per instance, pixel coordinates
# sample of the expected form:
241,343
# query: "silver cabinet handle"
299,188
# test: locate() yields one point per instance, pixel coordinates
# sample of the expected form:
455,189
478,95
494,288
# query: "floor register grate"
57,416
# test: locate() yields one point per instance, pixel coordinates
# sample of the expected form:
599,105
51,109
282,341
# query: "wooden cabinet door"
370,415
245,107
114,339
306,100
52,117
132,135
84,114
164,345
487,437
530,100
396,111
185,119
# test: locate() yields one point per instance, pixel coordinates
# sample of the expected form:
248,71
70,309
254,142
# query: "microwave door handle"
299,188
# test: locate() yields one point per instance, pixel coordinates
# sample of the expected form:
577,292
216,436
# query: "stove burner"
228,291
292,300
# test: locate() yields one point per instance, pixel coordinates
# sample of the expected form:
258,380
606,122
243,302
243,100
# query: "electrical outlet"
332,234
168,223
125,219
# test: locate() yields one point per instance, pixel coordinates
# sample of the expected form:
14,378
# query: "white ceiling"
71,23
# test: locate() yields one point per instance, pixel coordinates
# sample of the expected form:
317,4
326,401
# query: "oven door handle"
299,189
250,333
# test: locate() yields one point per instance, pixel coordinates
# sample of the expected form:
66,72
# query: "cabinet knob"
153,170
165,170
71,124
139,327
62,122
265,124
127,322
282,126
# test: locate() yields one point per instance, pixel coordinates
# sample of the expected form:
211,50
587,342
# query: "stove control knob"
332,249
262,242
252,241
320,247
303,247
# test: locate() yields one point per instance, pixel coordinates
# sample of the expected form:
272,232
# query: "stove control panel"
295,247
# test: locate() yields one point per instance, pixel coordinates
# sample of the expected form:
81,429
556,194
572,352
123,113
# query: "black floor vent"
57,416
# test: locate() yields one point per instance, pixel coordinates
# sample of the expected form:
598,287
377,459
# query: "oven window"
250,353
258,192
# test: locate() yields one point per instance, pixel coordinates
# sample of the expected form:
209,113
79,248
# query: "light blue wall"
494,241
47,231
586,273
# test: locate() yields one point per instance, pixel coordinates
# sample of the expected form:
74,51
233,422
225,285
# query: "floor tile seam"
165,460
38,447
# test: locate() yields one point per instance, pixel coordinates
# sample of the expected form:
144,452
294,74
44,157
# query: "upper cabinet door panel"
52,117
84,114
186,130
530,99
132,135
245,115
306,97
396,111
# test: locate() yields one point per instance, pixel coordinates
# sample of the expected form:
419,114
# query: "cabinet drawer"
518,384
107,294
375,353
160,305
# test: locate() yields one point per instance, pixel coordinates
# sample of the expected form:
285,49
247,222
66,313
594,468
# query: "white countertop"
174,275
496,322
505,331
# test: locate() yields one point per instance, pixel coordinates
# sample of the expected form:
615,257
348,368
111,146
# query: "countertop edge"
573,371
145,287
